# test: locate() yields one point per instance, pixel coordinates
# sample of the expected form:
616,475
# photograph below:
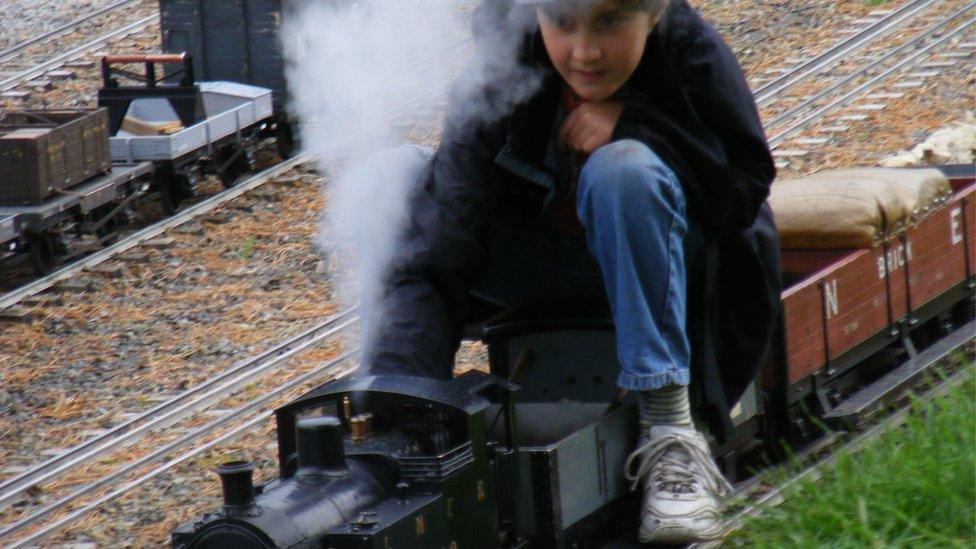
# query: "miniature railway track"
810,111
39,69
895,20
7,54
167,412
66,509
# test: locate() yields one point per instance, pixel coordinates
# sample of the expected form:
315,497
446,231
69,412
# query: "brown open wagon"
842,307
45,151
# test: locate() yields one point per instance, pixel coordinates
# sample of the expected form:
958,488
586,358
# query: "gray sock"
665,406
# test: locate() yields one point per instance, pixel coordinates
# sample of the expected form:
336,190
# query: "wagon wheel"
284,140
44,249
170,187
230,164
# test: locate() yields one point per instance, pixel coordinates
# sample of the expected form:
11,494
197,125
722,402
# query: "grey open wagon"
186,128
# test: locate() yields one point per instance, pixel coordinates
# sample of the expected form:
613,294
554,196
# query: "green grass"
247,248
915,486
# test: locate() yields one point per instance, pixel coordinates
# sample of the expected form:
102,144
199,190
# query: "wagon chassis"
90,207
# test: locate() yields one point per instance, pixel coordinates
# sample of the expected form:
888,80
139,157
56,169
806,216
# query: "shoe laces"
672,461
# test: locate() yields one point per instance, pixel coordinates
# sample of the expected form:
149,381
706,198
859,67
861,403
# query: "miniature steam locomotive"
400,461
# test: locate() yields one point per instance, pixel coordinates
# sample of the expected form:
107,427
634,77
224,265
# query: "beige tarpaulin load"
138,126
853,208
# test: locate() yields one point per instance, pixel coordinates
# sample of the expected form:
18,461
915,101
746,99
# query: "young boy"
631,178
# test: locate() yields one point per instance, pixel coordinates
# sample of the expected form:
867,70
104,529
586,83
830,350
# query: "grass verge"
914,486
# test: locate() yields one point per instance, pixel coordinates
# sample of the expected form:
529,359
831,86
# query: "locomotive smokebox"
297,512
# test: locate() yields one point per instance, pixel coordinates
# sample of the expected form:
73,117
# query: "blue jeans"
632,207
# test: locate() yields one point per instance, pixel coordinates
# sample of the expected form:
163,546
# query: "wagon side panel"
23,173
232,40
803,321
938,258
264,53
832,311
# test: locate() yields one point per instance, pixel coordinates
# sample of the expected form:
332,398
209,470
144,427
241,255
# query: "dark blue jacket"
687,100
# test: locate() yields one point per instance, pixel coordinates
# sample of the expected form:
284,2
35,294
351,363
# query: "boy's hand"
590,126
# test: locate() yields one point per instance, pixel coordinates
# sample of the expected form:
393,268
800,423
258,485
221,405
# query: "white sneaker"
682,486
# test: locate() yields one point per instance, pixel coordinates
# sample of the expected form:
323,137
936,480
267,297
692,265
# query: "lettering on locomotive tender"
896,259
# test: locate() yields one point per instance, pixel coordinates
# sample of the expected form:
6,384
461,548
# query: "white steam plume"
358,71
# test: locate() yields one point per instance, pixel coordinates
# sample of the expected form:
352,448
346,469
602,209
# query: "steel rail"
178,444
164,414
41,68
816,114
63,28
893,21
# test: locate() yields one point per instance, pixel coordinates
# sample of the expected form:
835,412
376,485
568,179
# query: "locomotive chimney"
320,447
235,476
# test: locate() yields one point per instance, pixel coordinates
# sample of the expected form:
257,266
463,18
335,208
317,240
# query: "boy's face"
596,47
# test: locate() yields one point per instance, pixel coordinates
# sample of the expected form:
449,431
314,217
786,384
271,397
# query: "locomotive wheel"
44,249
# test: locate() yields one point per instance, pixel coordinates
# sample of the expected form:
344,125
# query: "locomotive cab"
568,433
